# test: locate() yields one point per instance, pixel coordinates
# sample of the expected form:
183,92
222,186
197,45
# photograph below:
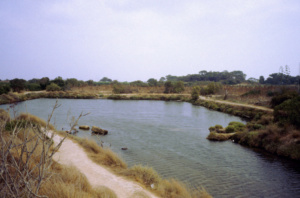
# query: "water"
171,138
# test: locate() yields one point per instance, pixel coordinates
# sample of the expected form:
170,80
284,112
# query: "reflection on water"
170,136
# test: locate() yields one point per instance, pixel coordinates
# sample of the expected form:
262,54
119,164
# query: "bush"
195,93
252,92
279,99
238,126
288,112
53,87
4,89
230,129
34,87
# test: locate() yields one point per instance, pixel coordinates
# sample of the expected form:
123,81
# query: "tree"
90,82
168,87
4,88
162,79
152,82
105,79
203,72
139,83
72,82
59,81
195,93
178,87
44,82
17,84
261,79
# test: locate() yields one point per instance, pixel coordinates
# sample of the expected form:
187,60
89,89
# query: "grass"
68,182
27,168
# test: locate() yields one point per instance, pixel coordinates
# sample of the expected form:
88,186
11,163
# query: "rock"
98,130
84,127
73,131
124,148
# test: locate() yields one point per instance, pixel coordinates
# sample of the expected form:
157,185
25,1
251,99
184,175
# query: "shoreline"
245,111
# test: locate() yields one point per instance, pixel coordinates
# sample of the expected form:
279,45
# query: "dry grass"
68,182
27,168
4,116
34,120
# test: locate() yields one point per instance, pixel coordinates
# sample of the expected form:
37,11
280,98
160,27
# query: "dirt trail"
71,154
237,104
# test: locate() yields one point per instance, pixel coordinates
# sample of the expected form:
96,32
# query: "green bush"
34,87
195,93
53,87
230,129
238,126
288,112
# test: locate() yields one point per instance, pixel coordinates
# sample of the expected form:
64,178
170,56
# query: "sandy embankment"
71,154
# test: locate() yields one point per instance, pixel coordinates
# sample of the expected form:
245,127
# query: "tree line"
173,84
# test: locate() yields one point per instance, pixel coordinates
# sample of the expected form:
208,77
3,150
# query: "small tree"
44,82
178,87
152,82
195,93
17,84
59,81
168,87
261,79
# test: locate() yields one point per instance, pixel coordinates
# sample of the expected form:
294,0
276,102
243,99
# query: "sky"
129,40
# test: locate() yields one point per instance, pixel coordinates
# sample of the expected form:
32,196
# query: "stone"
98,130
84,127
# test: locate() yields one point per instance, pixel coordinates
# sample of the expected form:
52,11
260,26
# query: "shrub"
238,126
252,92
33,87
4,89
230,129
26,161
53,87
288,112
218,136
278,99
195,93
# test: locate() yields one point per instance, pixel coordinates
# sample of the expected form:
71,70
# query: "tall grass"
27,168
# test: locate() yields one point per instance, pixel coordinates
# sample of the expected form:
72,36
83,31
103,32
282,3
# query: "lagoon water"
171,138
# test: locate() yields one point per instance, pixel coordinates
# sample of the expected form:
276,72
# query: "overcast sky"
130,40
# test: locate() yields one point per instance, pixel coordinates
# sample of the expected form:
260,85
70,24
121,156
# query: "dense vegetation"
277,133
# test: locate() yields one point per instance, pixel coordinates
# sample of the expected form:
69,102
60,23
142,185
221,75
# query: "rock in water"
98,130
84,127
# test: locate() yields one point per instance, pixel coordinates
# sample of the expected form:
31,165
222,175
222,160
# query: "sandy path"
237,104
71,154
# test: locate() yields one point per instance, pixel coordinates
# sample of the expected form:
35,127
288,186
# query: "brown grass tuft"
35,120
